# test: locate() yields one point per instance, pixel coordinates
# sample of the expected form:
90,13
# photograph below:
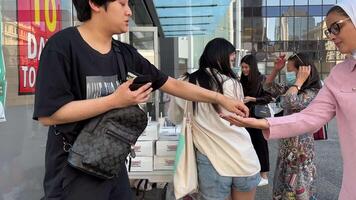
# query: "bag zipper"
132,150
111,133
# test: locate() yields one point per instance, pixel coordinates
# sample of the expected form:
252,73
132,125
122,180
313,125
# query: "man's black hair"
83,8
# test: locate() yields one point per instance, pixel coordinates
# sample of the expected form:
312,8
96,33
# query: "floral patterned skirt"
294,177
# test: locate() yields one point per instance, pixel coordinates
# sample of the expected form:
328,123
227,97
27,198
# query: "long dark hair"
250,83
313,80
216,58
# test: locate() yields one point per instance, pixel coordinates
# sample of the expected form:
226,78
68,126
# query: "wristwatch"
297,86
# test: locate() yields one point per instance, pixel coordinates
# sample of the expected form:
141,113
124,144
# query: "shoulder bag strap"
120,62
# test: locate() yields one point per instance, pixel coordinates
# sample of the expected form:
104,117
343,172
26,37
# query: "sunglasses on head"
335,27
296,55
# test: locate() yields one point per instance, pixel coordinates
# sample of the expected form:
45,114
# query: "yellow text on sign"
51,24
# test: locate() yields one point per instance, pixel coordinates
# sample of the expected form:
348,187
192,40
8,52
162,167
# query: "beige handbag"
185,178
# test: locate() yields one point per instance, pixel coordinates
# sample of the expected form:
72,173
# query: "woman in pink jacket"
337,99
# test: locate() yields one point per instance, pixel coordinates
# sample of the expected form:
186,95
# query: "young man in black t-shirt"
78,78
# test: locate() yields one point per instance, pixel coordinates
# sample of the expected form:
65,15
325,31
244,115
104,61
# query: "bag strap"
120,62
188,109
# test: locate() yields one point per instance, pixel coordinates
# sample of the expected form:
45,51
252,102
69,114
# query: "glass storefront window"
247,29
258,29
273,28
315,10
247,11
258,11
287,28
273,2
326,8
287,11
287,2
315,28
301,2
264,2
300,28
330,2
314,2
25,29
273,11
292,25
301,11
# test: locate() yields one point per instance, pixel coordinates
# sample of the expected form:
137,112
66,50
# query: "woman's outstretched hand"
245,122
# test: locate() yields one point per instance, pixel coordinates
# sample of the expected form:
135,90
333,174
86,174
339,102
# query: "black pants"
62,182
77,185
261,147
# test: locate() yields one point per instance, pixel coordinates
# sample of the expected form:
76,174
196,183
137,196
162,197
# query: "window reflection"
247,29
315,27
287,11
273,2
314,2
290,25
258,29
300,28
301,2
326,8
287,2
273,28
329,2
287,28
273,11
315,10
301,11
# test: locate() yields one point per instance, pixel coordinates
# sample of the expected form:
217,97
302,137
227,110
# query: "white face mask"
291,77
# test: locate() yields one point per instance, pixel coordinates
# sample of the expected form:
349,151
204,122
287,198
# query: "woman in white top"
227,163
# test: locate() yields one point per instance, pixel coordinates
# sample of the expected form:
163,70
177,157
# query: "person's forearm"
78,110
191,92
270,78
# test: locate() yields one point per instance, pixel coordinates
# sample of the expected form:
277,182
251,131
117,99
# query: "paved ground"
328,163
329,169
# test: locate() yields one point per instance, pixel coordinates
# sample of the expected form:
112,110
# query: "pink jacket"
336,98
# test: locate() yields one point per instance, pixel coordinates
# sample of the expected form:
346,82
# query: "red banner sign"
37,21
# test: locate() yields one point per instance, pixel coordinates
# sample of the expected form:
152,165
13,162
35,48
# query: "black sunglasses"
335,28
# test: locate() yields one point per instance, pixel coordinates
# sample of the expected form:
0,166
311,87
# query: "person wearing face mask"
295,168
335,99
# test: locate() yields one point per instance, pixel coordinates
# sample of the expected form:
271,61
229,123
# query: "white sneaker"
263,182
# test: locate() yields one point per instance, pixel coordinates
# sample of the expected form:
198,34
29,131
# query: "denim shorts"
212,186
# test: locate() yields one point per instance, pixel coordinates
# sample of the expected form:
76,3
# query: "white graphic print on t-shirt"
99,86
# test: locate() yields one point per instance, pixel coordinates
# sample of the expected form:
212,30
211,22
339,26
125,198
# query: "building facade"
274,27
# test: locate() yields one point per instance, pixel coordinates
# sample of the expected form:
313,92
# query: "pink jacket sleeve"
319,112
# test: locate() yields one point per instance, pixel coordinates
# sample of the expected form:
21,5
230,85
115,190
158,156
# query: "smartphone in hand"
139,81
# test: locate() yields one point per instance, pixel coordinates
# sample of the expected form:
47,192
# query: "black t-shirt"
71,70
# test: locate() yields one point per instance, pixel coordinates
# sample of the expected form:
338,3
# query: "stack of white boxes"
144,149
166,148
155,149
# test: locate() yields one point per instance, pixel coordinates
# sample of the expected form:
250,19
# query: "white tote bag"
185,178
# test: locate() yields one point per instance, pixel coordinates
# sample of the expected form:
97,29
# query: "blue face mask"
291,77
235,70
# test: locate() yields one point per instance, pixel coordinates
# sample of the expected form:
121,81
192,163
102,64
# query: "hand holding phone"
139,82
